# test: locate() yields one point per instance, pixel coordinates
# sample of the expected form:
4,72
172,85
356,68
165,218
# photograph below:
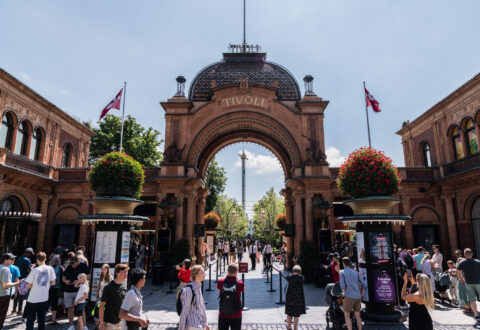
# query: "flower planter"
125,191
372,205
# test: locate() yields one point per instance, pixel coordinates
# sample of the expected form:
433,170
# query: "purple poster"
383,286
380,247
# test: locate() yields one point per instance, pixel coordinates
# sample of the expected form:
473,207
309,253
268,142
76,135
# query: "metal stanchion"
171,282
209,278
224,265
281,302
266,269
216,271
271,280
243,295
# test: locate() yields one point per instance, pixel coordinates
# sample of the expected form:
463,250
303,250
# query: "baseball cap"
30,250
336,255
8,256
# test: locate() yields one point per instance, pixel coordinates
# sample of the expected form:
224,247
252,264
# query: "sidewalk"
263,312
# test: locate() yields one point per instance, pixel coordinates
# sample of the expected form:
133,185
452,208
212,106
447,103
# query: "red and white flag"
114,104
371,102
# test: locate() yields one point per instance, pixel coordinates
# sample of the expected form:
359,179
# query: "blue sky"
411,54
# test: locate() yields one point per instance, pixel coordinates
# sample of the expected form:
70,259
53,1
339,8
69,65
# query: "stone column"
179,217
43,221
408,224
309,228
298,220
288,209
200,221
190,221
158,219
451,223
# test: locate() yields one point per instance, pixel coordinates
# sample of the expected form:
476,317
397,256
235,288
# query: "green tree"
215,181
265,212
233,221
140,143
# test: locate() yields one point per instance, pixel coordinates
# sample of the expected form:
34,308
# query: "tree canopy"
233,223
215,181
140,143
264,224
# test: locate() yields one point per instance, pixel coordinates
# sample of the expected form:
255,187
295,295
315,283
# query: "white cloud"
334,158
261,164
25,77
64,92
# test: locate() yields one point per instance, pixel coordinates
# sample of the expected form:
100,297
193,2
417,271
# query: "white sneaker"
72,327
85,328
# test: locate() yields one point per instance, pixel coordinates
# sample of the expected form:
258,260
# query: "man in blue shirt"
352,288
23,263
15,278
418,260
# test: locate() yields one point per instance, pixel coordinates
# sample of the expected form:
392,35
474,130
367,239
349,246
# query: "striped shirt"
194,315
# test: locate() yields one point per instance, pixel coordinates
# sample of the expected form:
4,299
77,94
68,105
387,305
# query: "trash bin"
157,274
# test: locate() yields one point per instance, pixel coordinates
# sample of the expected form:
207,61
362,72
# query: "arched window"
6,131
67,155
22,139
427,160
36,143
471,137
476,223
457,143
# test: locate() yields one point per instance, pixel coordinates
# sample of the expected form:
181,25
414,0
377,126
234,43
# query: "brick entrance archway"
245,98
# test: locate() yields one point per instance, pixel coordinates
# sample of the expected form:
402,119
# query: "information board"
243,267
289,230
199,231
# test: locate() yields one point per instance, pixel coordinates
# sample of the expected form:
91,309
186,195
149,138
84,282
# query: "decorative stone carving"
173,154
314,152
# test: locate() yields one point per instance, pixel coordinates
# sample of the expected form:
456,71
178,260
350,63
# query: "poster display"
384,286
381,250
105,247
362,264
125,251
210,243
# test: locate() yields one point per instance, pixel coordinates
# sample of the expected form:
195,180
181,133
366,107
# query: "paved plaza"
264,312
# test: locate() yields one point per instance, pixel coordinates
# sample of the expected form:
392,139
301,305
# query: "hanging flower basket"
169,206
117,174
211,220
368,172
281,220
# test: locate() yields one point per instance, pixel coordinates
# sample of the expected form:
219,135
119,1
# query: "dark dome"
236,66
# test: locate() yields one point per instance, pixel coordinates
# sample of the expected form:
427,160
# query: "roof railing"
244,48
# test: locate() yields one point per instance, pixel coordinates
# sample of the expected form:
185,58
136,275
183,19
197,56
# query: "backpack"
179,301
408,261
229,304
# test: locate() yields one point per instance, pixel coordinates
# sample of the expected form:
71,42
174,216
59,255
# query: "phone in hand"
409,274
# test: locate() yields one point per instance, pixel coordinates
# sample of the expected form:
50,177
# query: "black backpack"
408,261
179,301
229,304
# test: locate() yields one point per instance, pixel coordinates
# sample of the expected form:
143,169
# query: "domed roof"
236,66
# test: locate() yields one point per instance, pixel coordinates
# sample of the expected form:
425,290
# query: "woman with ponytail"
421,300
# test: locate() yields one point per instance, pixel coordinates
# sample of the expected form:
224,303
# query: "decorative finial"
180,86
308,80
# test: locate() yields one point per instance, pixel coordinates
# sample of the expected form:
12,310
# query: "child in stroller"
335,314
442,284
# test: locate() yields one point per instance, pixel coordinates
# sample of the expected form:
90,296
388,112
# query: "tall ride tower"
243,157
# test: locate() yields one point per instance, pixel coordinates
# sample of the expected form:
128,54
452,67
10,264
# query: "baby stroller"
335,314
442,284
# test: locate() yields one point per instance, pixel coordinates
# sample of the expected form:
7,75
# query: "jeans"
38,310
4,302
18,301
253,258
233,324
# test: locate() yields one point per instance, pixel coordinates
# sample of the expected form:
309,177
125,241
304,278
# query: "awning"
20,216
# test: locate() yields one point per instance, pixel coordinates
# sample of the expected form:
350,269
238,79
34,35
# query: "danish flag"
371,102
114,104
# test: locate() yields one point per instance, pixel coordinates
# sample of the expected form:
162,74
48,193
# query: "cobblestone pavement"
263,313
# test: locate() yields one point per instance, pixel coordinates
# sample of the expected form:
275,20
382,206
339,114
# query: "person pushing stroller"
352,287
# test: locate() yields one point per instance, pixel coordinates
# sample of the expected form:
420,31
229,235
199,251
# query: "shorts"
80,308
472,291
351,303
113,326
69,299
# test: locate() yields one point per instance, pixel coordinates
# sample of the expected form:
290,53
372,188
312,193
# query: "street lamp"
234,213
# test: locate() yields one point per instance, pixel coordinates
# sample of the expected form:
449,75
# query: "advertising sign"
243,267
381,250
125,252
362,264
384,286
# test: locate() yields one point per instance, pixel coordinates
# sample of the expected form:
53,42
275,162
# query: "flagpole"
366,111
123,115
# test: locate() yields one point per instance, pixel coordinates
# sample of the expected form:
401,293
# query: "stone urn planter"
211,221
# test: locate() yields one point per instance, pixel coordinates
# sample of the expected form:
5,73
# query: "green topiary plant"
211,220
117,173
368,172
281,220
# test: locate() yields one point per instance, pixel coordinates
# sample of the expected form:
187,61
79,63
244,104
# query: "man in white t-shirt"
39,281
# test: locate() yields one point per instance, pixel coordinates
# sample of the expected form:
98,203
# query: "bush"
281,220
211,220
115,171
308,259
368,172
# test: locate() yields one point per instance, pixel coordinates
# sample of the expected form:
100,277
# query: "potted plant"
211,220
370,178
168,206
281,221
117,174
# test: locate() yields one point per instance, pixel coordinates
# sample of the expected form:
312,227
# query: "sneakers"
85,328
477,318
72,327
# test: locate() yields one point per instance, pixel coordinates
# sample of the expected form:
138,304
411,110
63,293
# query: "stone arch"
239,126
13,115
467,207
67,215
464,122
23,200
425,214
477,117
